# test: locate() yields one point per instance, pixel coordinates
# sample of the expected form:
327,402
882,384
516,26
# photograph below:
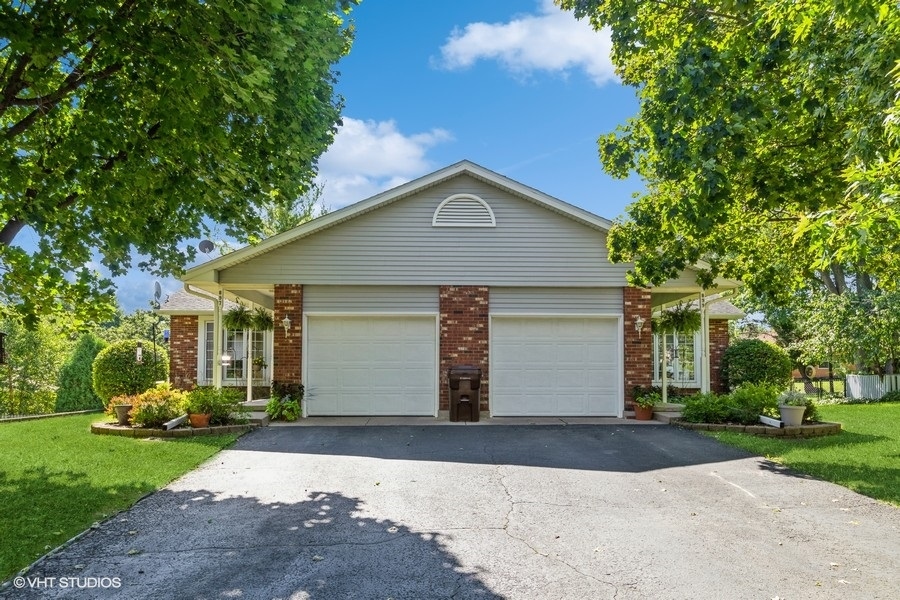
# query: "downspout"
217,301
705,379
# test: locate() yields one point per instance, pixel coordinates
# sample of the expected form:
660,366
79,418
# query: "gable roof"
203,271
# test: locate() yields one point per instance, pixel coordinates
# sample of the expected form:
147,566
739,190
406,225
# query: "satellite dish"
206,246
157,291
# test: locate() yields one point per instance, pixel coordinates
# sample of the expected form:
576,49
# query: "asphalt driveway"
543,512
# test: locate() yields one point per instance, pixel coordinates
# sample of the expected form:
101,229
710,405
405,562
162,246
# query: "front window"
682,359
234,345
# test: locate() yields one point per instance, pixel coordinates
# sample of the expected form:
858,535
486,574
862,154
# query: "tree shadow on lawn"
193,544
882,483
44,508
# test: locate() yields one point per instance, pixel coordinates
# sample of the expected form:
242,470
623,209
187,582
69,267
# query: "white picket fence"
871,387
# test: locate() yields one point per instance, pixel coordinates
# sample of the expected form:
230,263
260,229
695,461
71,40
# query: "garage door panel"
371,365
555,366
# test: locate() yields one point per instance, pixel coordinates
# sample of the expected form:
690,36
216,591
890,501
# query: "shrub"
285,402
76,390
748,401
891,397
705,408
224,404
116,372
285,408
755,361
156,406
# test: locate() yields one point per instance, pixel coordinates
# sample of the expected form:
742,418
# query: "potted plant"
643,405
259,363
792,406
120,407
200,405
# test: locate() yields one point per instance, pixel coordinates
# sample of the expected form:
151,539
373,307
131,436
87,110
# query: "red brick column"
464,335
638,348
718,342
288,349
183,345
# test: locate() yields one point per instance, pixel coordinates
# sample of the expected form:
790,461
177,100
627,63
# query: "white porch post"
217,341
704,343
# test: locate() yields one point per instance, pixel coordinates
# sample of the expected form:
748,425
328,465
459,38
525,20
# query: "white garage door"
555,366
371,365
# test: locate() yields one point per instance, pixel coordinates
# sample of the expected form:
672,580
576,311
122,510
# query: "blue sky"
517,86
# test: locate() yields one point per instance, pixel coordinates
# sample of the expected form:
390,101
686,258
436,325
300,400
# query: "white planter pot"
792,416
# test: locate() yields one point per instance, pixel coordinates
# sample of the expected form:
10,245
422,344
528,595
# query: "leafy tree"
34,357
136,325
130,126
278,217
768,136
76,391
116,372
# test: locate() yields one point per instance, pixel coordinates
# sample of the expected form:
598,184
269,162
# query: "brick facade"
718,343
183,351
288,349
638,347
464,335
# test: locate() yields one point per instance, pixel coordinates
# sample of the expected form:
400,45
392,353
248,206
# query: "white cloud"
368,157
553,40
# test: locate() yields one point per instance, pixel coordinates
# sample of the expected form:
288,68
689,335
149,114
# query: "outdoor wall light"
286,323
639,324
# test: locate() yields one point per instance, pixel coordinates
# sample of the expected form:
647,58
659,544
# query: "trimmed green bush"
116,371
156,406
750,400
756,361
76,391
705,408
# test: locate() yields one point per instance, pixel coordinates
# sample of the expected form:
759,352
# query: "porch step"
260,418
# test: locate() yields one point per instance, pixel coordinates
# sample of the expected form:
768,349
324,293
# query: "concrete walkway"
522,512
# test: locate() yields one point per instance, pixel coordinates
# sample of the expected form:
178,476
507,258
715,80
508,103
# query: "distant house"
374,302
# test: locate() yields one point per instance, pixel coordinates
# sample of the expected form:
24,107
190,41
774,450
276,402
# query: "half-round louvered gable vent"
463,210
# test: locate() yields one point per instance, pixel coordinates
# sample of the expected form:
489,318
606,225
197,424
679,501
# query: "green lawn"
56,479
864,457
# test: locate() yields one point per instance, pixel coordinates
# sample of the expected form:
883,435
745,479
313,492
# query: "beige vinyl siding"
397,245
574,301
370,299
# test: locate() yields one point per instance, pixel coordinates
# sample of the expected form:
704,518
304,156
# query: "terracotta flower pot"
199,420
643,413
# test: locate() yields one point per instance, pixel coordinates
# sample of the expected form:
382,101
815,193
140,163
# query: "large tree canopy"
126,126
768,137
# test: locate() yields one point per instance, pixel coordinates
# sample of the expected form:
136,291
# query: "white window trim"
698,364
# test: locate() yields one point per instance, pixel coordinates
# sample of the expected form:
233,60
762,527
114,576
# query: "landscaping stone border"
803,431
139,432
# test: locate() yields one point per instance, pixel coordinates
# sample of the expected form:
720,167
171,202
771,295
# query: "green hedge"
116,371
756,361
76,391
